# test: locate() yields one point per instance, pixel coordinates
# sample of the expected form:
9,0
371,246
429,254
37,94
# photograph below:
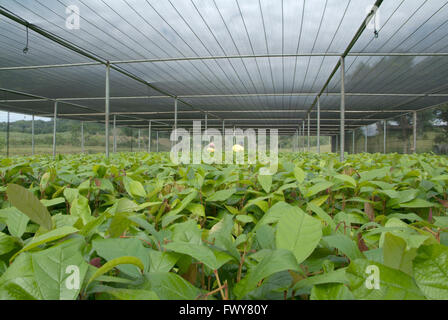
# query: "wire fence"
19,138
396,135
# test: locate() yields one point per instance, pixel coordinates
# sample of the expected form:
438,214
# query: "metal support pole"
309,125
365,139
7,137
139,139
298,138
206,120
175,114
415,132
342,129
157,148
234,135
385,137
32,135
318,125
337,143
132,138
223,127
175,123
354,145
303,136
149,136
107,107
82,136
115,134
54,127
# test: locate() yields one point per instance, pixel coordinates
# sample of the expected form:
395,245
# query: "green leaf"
26,202
15,220
161,261
232,210
7,243
394,284
319,201
374,174
52,271
331,291
47,237
443,177
196,209
322,214
417,203
396,255
52,202
134,188
119,224
115,262
124,205
221,195
337,276
130,294
184,203
199,252
344,244
346,178
275,213
106,185
19,281
275,261
221,235
113,248
71,194
401,229
431,271
80,208
299,233
265,182
266,237
170,286
321,186
299,174
188,231
242,218
259,202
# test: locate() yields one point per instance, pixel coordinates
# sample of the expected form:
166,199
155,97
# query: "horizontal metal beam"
242,95
99,114
237,124
41,98
231,57
250,120
51,66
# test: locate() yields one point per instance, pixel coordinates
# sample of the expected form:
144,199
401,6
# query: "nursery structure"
101,223
316,68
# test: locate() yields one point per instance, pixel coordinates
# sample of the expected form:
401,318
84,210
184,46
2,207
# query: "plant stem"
219,284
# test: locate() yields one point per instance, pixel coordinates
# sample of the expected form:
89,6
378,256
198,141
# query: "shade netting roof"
252,63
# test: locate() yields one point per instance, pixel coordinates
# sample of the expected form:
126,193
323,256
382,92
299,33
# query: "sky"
17,117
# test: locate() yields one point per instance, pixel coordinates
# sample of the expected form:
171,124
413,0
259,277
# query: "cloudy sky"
17,117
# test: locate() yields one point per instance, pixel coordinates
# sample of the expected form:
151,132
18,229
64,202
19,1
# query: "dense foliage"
138,227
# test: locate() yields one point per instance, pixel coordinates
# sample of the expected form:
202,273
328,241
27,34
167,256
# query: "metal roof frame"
219,114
